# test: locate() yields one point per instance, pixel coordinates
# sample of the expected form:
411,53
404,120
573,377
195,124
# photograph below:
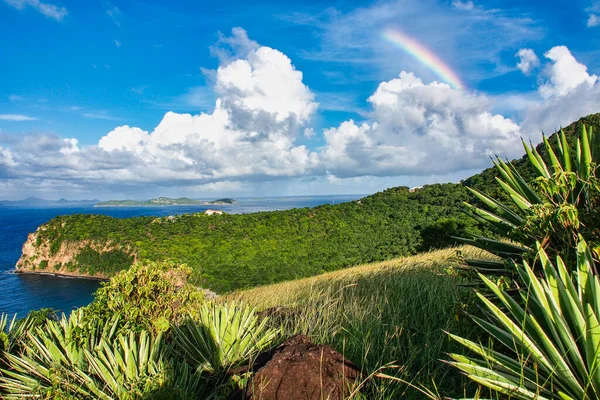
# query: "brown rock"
302,370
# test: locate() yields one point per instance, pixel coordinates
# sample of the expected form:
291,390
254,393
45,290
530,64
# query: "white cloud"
125,138
463,5
564,74
101,114
115,14
420,129
414,131
49,10
309,133
568,92
14,97
261,108
230,48
16,117
593,12
528,60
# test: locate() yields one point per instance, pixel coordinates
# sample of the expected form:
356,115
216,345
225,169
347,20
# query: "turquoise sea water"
23,293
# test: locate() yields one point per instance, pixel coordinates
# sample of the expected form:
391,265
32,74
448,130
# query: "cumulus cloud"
49,10
528,60
564,74
419,129
230,48
261,107
568,92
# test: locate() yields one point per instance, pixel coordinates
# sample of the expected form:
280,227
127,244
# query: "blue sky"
296,97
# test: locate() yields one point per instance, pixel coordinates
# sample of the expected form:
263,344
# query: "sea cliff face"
38,257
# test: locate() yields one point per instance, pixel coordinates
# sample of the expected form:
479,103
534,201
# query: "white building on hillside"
211,212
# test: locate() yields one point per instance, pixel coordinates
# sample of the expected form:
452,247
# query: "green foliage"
53,365
377,315
109,262
11,333
559,206
550,340
148,296
222,336
55,246
229,252
91,356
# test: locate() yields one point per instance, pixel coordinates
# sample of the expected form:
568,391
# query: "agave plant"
49,364
53,363
557,207
11,332
551,341
223,336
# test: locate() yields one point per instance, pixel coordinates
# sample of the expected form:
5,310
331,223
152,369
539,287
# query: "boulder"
302,370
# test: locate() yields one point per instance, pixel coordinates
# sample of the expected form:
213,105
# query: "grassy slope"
387,312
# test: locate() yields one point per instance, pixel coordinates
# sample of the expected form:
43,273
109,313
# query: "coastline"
59,275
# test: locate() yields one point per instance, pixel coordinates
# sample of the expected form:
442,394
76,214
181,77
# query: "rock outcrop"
37,256
302,370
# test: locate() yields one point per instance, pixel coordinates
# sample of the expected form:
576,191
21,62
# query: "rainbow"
424,55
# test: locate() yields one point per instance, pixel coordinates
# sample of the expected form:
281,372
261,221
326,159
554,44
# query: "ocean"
22,293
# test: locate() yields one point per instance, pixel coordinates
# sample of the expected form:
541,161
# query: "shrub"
106,366
148,296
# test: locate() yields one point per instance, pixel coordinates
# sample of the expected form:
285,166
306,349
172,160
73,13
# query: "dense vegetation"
229,252
145,334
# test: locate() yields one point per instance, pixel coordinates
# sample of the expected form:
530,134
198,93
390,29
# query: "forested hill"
227,252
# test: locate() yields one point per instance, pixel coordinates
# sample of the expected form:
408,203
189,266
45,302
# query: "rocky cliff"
72,258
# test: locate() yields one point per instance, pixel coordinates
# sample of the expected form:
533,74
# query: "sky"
138,99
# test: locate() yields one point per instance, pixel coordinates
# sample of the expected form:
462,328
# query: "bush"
148,296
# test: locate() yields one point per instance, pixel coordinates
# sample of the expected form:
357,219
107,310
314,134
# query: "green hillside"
229,252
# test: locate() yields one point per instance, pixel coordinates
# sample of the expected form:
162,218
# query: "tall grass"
383,314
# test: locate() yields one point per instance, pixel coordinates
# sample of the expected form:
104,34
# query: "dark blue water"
23,293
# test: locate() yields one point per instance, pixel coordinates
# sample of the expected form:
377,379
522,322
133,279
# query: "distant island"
165,201
37,202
